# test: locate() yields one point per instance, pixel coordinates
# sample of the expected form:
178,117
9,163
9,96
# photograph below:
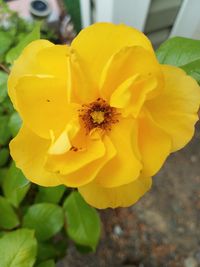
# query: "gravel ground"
162,229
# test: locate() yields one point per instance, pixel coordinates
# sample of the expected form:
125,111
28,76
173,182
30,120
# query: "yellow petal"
129,62
125,167
61,145
175,110
43,106
42,58
88,173
29,152
121,97
154,144
54,60
97,43
26,64
131,95
84,89
122,196
83,153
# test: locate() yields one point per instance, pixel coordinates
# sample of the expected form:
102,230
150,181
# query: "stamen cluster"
98,114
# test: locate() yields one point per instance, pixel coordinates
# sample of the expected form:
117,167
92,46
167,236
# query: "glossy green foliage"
83,223
181,52
18,249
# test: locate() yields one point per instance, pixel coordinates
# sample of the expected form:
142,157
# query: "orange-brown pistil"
98,114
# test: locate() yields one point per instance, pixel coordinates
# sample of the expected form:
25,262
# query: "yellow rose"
102,115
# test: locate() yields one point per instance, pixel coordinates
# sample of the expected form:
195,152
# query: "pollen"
98,114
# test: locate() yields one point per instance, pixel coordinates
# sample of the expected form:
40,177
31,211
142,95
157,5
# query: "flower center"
98,114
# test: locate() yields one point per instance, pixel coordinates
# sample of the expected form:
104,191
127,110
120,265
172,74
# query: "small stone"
193,158
190,262
181,230
118,230
198,256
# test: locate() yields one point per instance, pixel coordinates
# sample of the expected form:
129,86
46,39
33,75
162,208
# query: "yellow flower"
102,115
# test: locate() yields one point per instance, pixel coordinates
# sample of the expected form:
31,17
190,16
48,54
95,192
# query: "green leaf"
1,234
16,51
14,123
15,186
1,109
83,249
55,249
181,52
8,218
7,108
3,174
193,69
18,249
50,194
47,219
3,85
49,263
46,251
4,130
178,51
6,42
4,155
83,223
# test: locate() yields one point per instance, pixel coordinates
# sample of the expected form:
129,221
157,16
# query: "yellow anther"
97,116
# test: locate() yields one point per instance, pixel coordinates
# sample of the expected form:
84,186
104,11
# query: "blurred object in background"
73,9
162,14
16,25
187,23
30,9
154,17
54,14
159,19
70,20
67,29
130,12
40,8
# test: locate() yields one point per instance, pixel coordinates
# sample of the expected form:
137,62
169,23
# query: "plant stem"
4,68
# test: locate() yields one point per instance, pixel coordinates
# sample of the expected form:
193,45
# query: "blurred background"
162,229
159,19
